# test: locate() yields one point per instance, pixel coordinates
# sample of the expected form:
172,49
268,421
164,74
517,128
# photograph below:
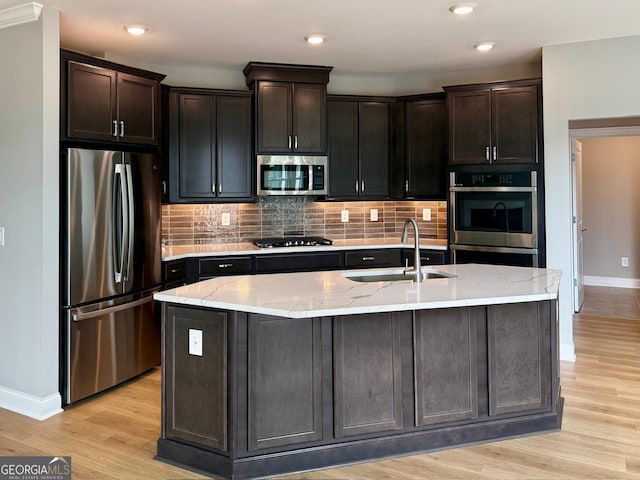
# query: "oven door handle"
492,189
483,248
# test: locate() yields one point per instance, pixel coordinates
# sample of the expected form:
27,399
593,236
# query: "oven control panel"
501,179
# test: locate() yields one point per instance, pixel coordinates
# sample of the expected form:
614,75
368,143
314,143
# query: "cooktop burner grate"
272,242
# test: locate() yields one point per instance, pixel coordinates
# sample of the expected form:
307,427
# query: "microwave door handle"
130,221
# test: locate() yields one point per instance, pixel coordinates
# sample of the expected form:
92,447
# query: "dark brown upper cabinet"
495,123
106,102
425,147
359,148
210,154
290,107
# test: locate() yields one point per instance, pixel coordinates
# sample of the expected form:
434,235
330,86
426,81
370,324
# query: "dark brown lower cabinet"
367,374
520,357
273,395
446,365
285,381
195,386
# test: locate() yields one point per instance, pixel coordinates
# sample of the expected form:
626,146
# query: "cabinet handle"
219,187
225,265
289,142
356,186
495,153
121,128
486,154
175,270
362,186
406,186
115,128
164,187
213,187
368,259
295,142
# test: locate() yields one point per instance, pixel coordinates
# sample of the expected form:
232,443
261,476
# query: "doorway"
611,209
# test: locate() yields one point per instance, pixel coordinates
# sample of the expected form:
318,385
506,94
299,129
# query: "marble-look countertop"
174,252
317,294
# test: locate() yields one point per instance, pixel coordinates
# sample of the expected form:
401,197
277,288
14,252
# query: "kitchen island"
269,374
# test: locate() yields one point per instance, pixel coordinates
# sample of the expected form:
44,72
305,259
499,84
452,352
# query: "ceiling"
381,37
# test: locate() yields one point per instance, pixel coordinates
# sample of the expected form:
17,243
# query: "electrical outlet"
373,214
195,342
426,214
625,261
344,216
1,236
226,219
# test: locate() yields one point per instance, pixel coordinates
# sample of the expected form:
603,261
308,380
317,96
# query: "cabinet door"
285,381
426,149
373,148
519,352
515,125
234,154
309,118
343,148
469,126
196,145
138,109
91,97
445,363
274,122
367,374
195,386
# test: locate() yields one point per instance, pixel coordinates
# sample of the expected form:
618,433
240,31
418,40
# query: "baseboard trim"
568,352
596,281
29,405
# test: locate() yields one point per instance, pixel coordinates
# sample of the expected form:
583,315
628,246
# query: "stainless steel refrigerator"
110,268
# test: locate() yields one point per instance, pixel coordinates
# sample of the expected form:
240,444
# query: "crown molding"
29,12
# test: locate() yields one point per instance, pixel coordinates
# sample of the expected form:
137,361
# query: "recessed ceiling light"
462,8
315,39
484,46
136,29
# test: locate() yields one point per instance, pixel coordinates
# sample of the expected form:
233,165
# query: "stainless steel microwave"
292,175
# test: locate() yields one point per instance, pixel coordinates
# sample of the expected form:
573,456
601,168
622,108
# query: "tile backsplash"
280,216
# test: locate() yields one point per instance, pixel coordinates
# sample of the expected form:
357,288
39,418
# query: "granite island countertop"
329,293
175,252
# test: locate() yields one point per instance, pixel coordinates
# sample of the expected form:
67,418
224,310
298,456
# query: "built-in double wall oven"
494,218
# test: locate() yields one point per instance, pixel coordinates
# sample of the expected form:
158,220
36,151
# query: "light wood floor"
112,436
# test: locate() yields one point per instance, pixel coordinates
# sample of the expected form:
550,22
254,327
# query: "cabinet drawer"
174,270
215,267
304,262
372,258
427,257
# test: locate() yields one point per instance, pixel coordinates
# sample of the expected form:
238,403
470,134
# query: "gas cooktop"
291,242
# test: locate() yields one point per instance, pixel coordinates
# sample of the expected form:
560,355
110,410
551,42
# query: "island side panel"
367,374
520,357
195,386
446,365
284,381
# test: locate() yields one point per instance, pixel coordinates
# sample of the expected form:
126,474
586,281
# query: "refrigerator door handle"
130,233
78,317
121,214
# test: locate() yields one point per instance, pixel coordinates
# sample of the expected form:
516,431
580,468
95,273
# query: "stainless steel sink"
394,275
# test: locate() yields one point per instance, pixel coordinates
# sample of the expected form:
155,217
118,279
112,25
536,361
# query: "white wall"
585,80
29,96
611,206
